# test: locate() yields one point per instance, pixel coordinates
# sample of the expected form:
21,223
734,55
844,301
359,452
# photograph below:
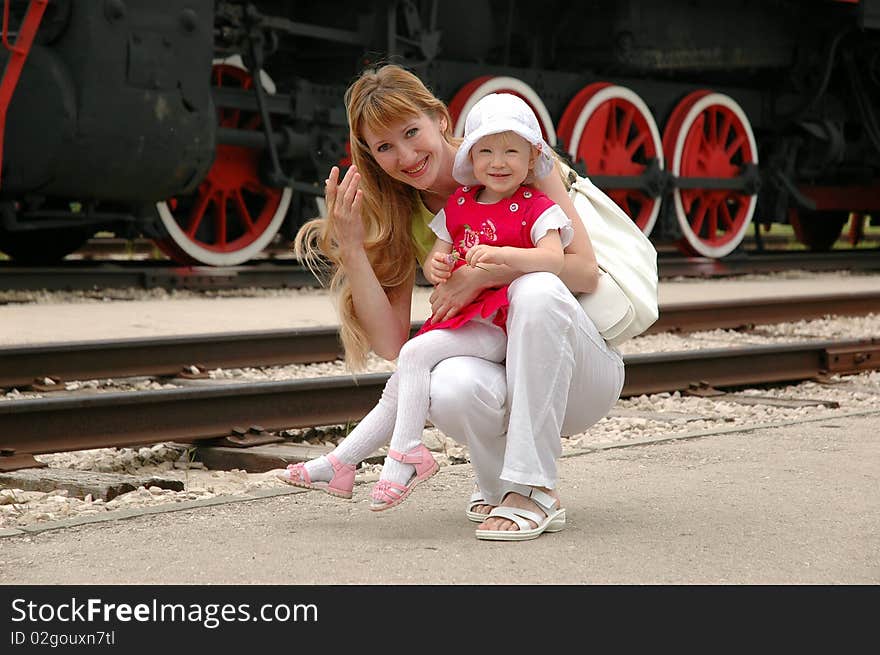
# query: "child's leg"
417,358
371,433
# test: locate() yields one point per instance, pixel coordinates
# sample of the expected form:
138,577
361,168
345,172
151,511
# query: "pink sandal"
387,494
340,485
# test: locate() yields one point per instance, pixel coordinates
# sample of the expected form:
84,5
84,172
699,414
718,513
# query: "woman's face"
412,150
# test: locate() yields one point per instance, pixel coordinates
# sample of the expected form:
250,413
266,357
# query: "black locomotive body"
205,125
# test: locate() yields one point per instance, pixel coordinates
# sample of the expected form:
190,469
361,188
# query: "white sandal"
553,520
476,499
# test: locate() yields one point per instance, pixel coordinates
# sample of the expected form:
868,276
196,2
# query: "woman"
560,376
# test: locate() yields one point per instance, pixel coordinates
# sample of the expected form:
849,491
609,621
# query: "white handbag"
624,303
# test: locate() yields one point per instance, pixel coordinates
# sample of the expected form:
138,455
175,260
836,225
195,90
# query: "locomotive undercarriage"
698,120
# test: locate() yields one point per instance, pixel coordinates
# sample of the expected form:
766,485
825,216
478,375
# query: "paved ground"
796,504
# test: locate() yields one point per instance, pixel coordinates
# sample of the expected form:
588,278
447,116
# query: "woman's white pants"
560,377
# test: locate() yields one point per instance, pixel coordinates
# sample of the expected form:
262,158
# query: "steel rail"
89,360
88,276
47,425
754,263
743,313
85,360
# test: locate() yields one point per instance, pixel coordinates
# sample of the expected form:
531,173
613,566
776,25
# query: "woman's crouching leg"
561,376
468,404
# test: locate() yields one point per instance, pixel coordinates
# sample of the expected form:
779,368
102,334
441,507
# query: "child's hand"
438,269
483,254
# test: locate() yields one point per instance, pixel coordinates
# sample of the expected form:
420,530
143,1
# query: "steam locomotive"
205,125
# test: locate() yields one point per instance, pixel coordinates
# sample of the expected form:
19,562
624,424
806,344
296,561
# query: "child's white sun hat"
493,114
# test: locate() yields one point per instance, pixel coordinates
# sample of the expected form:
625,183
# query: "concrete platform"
81,321
790,504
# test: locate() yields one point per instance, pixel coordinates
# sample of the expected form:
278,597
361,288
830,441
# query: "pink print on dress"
469,240
488,231
472,238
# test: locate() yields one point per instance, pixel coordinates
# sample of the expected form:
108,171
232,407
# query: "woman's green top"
422,236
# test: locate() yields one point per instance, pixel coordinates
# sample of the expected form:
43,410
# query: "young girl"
493,219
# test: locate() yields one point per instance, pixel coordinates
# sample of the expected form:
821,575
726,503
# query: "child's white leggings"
402,410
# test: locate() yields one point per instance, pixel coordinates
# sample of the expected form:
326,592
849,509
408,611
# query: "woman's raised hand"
344,201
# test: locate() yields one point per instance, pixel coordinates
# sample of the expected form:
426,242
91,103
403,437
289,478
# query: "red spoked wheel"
612,131
468,95
232,216
709,135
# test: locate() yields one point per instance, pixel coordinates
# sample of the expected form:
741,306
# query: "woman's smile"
418,169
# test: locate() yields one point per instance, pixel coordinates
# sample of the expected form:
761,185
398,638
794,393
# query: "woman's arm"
580,272
385,317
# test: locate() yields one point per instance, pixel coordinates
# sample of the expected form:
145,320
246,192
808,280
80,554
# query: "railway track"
23,366
48,425
288,273
103,248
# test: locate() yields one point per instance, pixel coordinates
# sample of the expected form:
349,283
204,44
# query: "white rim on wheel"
627,96
744,216
231,258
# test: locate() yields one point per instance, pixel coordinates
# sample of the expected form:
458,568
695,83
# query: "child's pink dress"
508,222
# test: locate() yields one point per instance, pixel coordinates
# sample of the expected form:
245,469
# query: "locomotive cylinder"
118,106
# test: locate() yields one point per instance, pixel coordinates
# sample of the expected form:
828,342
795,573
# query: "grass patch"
781,237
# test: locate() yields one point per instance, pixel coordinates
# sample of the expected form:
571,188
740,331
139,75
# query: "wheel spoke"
714,117
243,211
737,143
197,213
626,124
700,216
725,215
724,132
699,131
611,136
637,143
220,220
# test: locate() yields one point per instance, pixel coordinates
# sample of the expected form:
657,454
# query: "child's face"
502,162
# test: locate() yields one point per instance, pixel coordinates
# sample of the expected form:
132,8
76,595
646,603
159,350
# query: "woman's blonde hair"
378,99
